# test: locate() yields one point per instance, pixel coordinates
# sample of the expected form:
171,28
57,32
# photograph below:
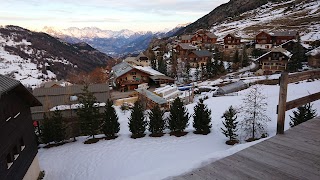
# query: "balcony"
131,82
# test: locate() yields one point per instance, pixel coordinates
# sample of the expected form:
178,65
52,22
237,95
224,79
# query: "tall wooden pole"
282,102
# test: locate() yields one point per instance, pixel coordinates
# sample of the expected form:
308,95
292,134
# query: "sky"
136,15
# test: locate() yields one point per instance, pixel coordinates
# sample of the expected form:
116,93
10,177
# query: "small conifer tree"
230,123
88,113
111,126
46,130
59,129
201,118
303,114
179,117
157,123
137,123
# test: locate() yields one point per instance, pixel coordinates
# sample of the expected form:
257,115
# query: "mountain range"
113,43
34,57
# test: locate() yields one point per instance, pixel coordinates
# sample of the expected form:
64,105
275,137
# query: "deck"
292,155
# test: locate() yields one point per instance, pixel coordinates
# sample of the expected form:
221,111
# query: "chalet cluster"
276,47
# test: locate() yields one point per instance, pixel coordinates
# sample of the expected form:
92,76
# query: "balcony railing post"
282,102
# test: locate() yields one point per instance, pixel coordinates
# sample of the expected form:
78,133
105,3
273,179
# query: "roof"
8,84
211,35
141,55
148,70
186,46
155,98
163,77
121,68
284,33
232,87
186,37
292,40
314,52
232,35
202,53
74,89
155,48
51,83
277,49
132,60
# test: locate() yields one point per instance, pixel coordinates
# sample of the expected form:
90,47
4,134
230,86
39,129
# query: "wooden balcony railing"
283,105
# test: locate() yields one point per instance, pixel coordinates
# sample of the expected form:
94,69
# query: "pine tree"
111,126
88,113
303,114
201,118
245,58
46,130
217,54
157,123
58,127
230,123
197,73
221,68
236,58
137,123
254,111
162,66
179,117
188,70
298,56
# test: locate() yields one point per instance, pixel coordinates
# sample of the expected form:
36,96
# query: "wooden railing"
283,105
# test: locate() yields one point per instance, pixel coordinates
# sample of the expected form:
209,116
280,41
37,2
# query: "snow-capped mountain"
115,43
33,57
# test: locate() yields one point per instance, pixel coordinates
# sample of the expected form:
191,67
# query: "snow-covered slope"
22,69
303,17
157,158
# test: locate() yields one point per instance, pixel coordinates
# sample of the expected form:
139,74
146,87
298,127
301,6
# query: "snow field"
158,158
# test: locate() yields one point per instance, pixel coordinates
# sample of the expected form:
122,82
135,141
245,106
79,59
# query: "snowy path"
158,158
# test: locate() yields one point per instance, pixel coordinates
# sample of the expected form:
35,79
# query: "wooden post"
282,102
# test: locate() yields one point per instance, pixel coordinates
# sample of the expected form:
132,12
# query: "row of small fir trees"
91,121
177,121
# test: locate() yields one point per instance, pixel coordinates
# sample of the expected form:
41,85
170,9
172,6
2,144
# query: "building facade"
18,150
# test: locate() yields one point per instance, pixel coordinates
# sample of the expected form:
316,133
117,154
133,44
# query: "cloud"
99,20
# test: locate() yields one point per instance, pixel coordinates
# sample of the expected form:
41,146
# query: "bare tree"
254,109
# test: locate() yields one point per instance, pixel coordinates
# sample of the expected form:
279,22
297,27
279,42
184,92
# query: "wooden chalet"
266,40
263,40
126,77
199,58
183,49
18,146
186,38
139,60
274,61
203,38
314,57
280,37
231,41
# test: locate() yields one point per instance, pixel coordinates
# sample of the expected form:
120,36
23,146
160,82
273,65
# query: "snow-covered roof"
211,35
314,52
121,68
277,49
148,70
187,46
155,48
232,87
284,33
155,98
186,37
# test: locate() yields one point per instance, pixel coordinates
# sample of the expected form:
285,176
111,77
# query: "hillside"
33,57
246,18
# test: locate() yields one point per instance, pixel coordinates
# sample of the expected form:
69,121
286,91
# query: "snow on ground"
157,158
21,69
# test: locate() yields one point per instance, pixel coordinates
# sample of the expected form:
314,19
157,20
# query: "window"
134,77
73,98
133,73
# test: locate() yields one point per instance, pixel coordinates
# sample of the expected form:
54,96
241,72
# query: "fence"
283,105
